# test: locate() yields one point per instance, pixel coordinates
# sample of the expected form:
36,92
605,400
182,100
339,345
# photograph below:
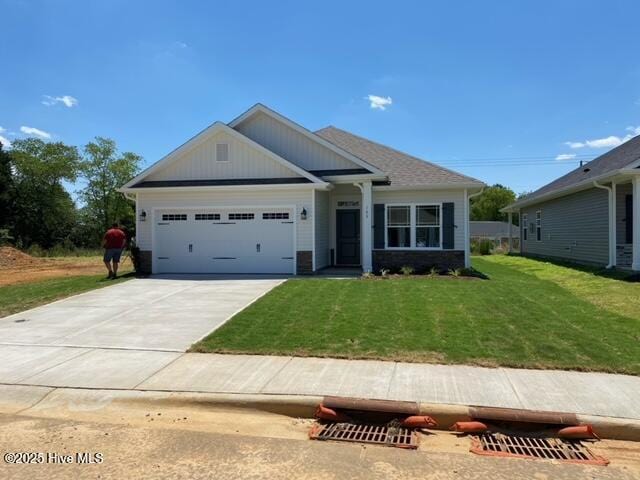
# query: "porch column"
613,226
510,234
366,213
635,265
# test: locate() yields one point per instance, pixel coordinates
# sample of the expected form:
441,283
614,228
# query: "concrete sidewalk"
584,393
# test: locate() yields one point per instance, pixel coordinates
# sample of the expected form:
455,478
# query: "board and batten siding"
429,197
292,145
200,163
574,227
322,228
147,201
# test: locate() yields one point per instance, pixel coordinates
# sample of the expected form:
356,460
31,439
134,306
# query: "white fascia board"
307,133
297,186
440,186
203,136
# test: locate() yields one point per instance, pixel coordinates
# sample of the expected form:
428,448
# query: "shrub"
407,270
485,246
384,272
455,272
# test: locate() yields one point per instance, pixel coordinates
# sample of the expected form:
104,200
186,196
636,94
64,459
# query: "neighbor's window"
222,152
399,226
538,225
525,227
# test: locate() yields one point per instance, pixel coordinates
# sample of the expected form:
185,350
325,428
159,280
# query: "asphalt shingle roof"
402,169
615,159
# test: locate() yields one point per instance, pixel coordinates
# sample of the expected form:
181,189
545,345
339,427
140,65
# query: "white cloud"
35,132
379,103
5,142
606,142
67,100
566,156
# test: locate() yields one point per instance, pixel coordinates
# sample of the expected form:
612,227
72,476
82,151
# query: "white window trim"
412,225
538,225
228,152
525,227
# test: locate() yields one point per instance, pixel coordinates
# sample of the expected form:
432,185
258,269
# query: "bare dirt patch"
18,267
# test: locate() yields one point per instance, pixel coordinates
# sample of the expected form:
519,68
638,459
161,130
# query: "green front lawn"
529,314
17,298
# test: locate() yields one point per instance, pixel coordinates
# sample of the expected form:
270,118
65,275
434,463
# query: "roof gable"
296,143
196,148
623,156
403,170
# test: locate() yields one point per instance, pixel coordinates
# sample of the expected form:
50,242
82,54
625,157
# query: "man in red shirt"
113,242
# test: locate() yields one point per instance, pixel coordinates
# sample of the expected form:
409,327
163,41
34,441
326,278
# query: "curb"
303,406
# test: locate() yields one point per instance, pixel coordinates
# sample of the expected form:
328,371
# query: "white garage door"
224,241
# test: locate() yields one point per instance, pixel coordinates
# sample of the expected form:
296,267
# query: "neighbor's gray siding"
574,227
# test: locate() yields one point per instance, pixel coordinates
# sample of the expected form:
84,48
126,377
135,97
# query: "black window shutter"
628,212
378,225
447,226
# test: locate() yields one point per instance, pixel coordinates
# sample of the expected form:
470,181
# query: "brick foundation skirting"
304,262
145,262
421,260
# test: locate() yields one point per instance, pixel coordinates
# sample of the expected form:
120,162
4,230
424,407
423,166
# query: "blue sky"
492,89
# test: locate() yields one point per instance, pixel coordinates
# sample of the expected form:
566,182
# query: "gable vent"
222,152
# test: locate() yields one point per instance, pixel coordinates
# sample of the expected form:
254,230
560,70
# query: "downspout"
467,212
612,224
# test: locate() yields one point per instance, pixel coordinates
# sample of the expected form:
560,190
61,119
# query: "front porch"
351,228
623,230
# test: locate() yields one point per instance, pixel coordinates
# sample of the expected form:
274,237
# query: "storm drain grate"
392,436
497,444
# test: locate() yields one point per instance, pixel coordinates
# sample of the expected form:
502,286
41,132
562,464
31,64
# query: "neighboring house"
590,215
497,232
263,194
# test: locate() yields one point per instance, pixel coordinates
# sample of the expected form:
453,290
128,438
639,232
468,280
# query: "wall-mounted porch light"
143,216
303,214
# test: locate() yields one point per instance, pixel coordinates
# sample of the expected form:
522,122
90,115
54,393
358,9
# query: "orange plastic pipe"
325,413
578,431
419,421
469,427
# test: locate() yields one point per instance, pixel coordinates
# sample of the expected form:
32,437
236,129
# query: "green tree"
105,170
43,212
6,190
487,205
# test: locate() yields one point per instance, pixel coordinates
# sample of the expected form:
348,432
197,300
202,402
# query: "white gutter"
274,186
612,223
439,186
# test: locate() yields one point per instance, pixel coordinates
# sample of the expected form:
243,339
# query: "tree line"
37,210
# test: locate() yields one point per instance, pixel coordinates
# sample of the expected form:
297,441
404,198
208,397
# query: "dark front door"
348,237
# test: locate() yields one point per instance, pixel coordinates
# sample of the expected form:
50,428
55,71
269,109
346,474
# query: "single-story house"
263,194
591,215
496,231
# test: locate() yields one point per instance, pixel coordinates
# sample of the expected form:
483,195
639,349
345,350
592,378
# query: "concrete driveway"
164,314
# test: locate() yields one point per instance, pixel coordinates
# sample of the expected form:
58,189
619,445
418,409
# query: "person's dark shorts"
112,254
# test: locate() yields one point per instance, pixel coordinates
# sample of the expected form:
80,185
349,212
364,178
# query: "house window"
222,152
171,217
207,216
538,225
399,226
427,226
241,216
275,216
525,227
